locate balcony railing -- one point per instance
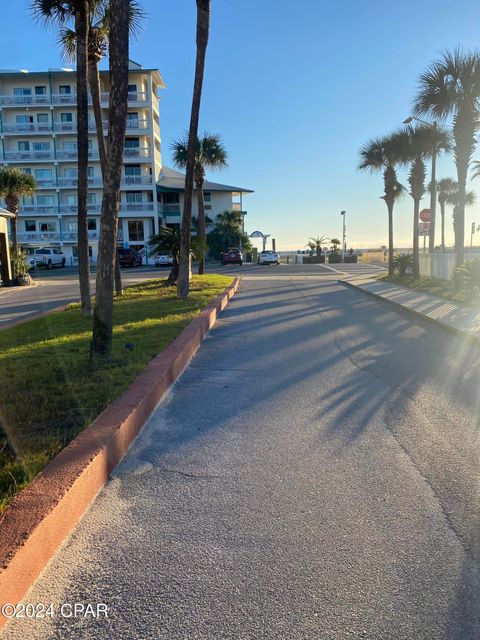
(137, 152)
(45, 184)
(72, 182)
(171, 208)
(28, 155)
(64, 98)
(6, 101)
(73, 208)
(26, 127)
(136, 206)
(38, 236)
(34, 208)
(72, 236)
(129, 180)
(71, 154)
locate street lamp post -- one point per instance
(344, 244)
(433, 182)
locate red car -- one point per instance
(129, 258)
(232, 256)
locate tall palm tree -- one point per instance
(450, 87)
(203, 25)
(98, 35)
(384, 154)
(419, 143)
(453, 199)
(57, 13)
(101, 345)
(14, 184)
(445, 187)
(210, 154)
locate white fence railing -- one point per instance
(441, 265)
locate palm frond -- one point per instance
(67, 41)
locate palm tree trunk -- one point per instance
(416, 256)
(390, 238)
(81, 30)
(442, 214)
(94, 82)
(203, 22)
(201, 227)
(460, 222)
(101, 345)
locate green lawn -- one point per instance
(48, 391)
(441, 288)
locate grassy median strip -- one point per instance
(49, 392)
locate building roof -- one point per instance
(6, 214)
(171, 180)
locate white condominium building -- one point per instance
(39, 135)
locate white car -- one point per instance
(163, 261)
(47, 257)
(268, 257)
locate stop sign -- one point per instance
(425, 215)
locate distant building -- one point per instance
(38, 134)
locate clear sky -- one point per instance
(294, 88)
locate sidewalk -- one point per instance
(449, 315)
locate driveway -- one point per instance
(313, 474)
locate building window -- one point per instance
(171, 198)
(43, 174)
(132, 88)
(72, 226)
(42, 118)
(28, 201)
(90, 172)
(66, 117)
(207, 196)
(30, 225)
(45, 201)
(65, 89)
(72, 200)
(69, 145)
(91, 224)
(48, 227)
(133, 170)
(41, 146)
(135, 231)
(22, 91)
(40, 91)
(23, 119)
(134, 197)
(132, 143)
(91, 198)
(23, 145)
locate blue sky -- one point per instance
(294, 89)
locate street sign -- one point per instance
(425, 215)
(423, 228)
(256, 234)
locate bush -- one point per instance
(470, 277)
(402, 262)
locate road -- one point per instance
(60, 286)
(314, 474)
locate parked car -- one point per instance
(232, 256)
(129, 258)
(268, 257)
(47, 257)
(163, 260)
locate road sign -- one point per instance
(256, 234)
(423, 228)
(425, 215)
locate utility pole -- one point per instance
(344, 243)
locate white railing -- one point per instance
(28, 155)
(38, 236)
(64, 98)
(137, 152)
(73, 182)
(35, 208)
(14, 100)
(73, 208)
(71, 154)
(72, 236)
(27, 127)
(45, 184)
(441, 265)
(129, 180)
(136, 206)
(171, 208)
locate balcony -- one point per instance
(38, 236)
(45, 184)
(135, 180)
(64, 98)
(73, 182)
(172, 209)
(71, 154)
(34, 208)
(136, 206)
(137, 152)
(72, 236)
(24, 156)
(12, 101)
(26, 127)
(73, 208)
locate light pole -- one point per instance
(433, 181)
(344, 246)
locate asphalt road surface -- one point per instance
(314, 474)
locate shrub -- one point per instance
(402, 262)
(470, 277)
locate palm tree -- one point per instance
(419, 143)
(453, 199)
(98, 35)
(58, 12)
(101, 345)
(203, 25)
(210, 154)
(167, 241)
(14, 184)
(447, 190)
(384, 154)
(451, 87)
(315, 244)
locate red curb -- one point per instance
(41, 516)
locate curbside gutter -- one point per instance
(43, 514)
(474, 339)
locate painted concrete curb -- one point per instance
(41, 516)
(417, 314)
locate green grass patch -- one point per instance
(49, 392)
(442, 288)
